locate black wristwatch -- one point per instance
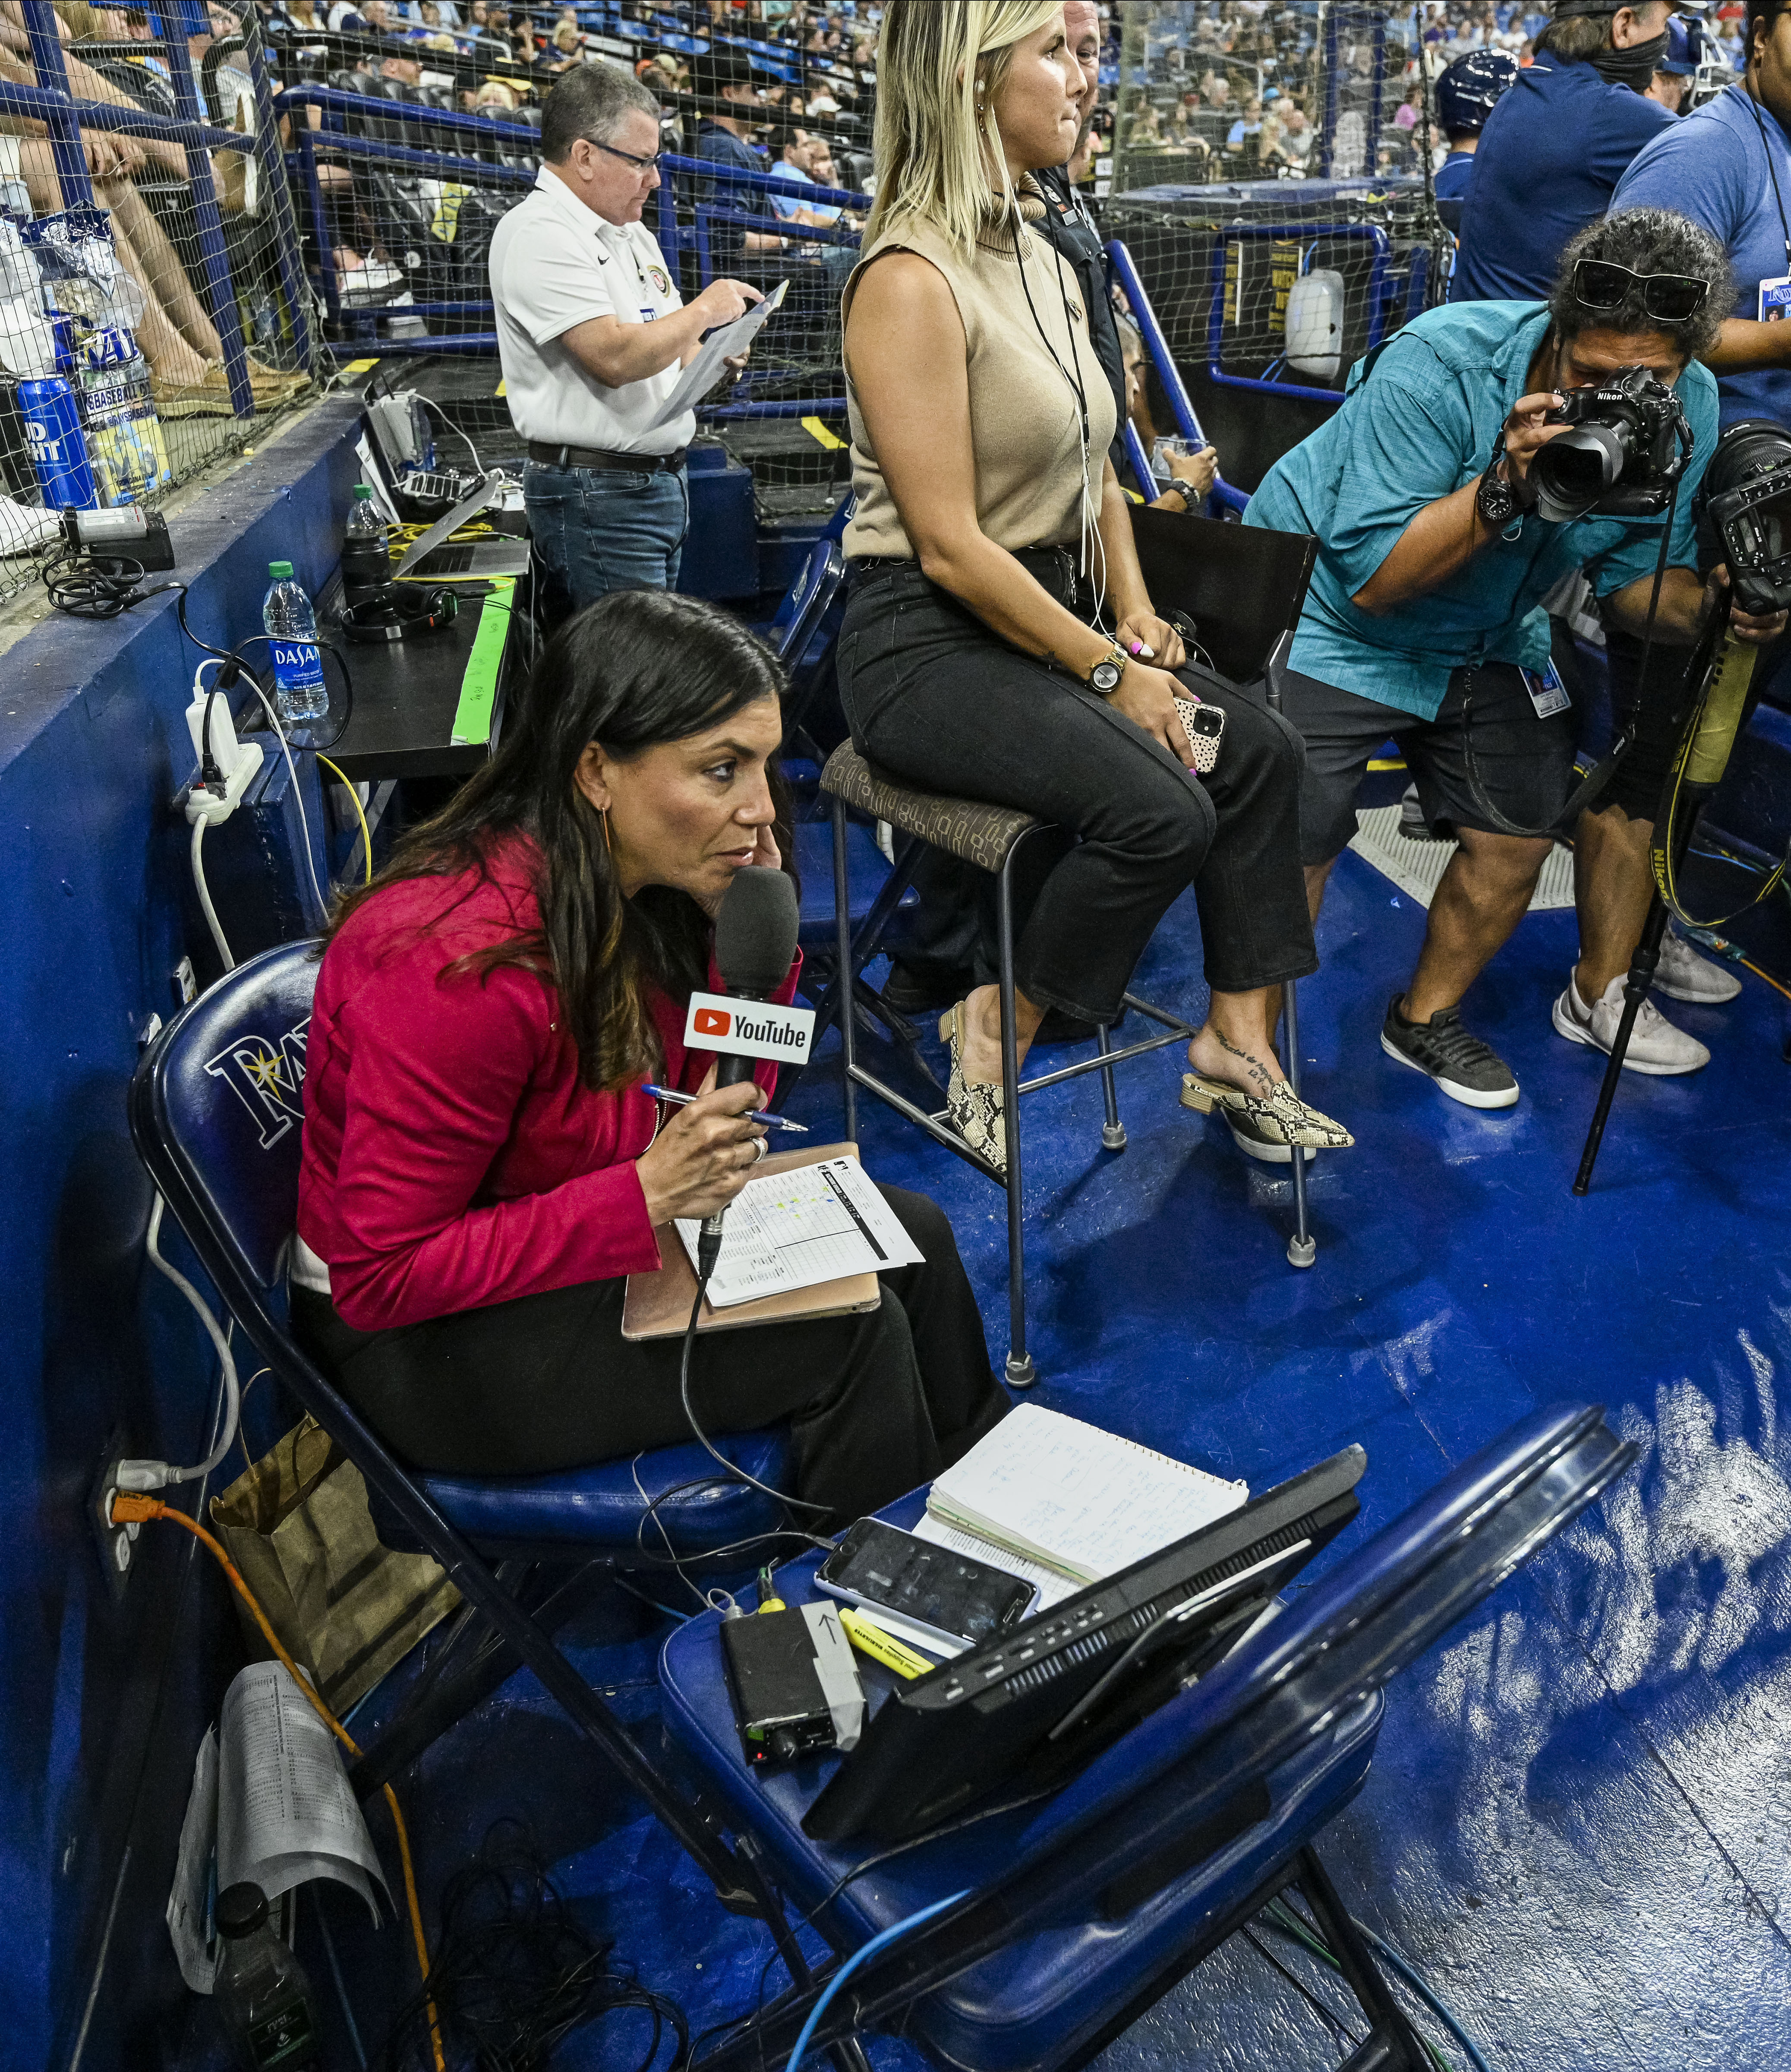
(1104, 677)
(1496, 499)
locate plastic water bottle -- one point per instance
(124, 433)
(299, 695)
(261, 1992)
(366, 560)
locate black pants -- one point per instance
(877, 1403)
(935, 697)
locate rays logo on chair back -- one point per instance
(268, 1079)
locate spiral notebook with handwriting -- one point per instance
(1067, 1503)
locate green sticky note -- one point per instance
(479, 686)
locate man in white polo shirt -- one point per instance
(593, 337)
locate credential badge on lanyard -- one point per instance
(1547, 693)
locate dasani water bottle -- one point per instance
(290, 624)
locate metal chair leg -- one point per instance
(1302, 1250)
(1021, 1373)
(842, 924)
(1113, 1131)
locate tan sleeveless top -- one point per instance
(1026, 422)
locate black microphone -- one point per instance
(755, 939)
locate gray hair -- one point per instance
(1647, 240)
(590, 101)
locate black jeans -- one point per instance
(935, 697)
(877, 1403)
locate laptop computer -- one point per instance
(427, 560)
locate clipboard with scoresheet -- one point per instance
(657, 1305)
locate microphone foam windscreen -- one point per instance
(755, 931)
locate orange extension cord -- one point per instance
(128, 1509)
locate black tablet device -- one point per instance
(1031, 1706)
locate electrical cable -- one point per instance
(129, 1509)
(1421, 1987)
(298, 795)
(354, 798)
(137, 1476)
(728, 1468)
(1326, 2015)
(242, 1436)
(515, 1971)
(1279, 1914)
(204, 891)
(863, 1956)
(429, 403)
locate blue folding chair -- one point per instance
(1058, 1922)
(216, 1108)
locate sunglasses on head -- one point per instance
(1601, 284)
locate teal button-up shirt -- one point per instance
(1427, 422)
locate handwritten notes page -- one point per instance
(800, 1228)
(1071, 1498)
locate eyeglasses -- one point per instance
(627, 158)
(1600, 283)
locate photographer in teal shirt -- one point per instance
(1425, 612)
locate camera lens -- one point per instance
(1744, 450)
(1579, 467)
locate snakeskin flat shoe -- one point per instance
(977, 1111)
(1266, 1128)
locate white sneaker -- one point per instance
(1656, 1046)
(1682, 974)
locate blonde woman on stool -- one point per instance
(999, 642)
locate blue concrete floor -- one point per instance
(1577, 1823)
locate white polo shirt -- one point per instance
(555, 264)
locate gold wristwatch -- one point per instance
(1103, 679)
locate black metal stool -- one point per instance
(990, 837)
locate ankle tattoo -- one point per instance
(1252, 1069)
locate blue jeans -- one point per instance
(598, 529)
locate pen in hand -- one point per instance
(758, 1115)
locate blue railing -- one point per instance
(65, 116)
(420, 162)
(1306, 234)
(1181, 403)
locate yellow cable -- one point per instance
(366, 832)
(129, 1509)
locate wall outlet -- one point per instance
(117, 1544)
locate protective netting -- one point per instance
(1269, 174)
(147, 328)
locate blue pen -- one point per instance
(758, 1115)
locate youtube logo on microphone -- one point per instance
(748, 1028)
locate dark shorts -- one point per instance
(1525, 764)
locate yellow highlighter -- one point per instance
(870, 1638)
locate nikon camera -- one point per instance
(1629, 446)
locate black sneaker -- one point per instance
(1466, 1069)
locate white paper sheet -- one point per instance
(285, 1813)
(189, 1903)
(798, 1229)
(722, 343)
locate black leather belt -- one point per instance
(589, 457)
(1056, 562)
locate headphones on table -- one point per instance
(395, 615)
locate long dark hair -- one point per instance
(637, 668)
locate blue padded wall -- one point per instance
(99, 1741)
